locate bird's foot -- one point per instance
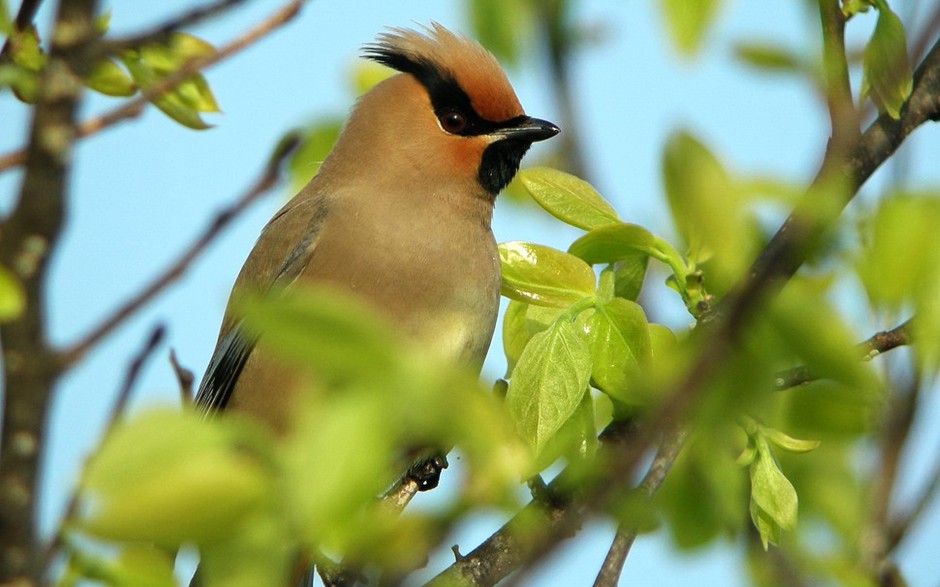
(427, 471)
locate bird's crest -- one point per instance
(439, 58)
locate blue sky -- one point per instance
(143, 191)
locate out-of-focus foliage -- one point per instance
(250, 501)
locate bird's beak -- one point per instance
(529, 130)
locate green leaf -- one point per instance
(629, 274)
(12, 296)
(154, 62)
(6, 25)
(108, 78)
(707, 208)
(688, 22)
(886, 67)
(788, 443)
(548, 383)
(318, 140)
(614, 242)
(620, 346)
(768, 57)
(544, 276)
(568, 198)
(811, 329)
(515, 333)
(496, 25)
(171, 477)
(337, 335)
(771, 491)
(904, 250)
(368, 74)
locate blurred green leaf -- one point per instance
(108, 78)
(12, 296)
(27, 60)
(143, 566)
(707, 208)
(768, 57)
(544, 276)
(318, 140)
(334, 334)
(368, 74)
(812, 330)
(548, 383)
(852, 7)
(613, 242)
(886, 68)
(688, 22)
(6, 23)
(903, 255)
(900, 267)
(567, 198)
(170, 477)
(496, 25)
(620, 346)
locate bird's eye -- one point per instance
(453, 121)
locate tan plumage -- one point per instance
(398, 214)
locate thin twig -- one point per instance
(899, 528)
(880, 342)
(134, 107)
(612, 568)
(184, 377)
(267, 180)
(118, 410)
(159, 32)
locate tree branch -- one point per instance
(29, 236)
(267, 180)
(880, 342)
(609, 574)
(134, 107)
(160, 31)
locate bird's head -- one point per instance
(451, 115)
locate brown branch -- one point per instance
(612, 568)
(117, 412)
(184, 377)
(29, 236)
(880, 342)
(267, 180)
(895, 429)
(160, 31)
(899, 528)
(133, 108)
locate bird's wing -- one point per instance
(224, 368)
(281, 253)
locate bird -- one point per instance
(398, 214)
